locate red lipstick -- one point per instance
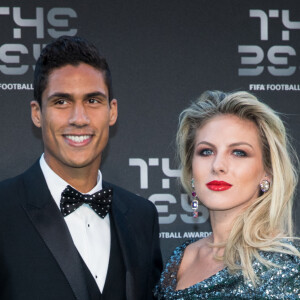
(218, 186)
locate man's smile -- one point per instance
(78, 140)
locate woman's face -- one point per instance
(227, 163)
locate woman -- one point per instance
(236, 161)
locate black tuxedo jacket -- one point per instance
(38, 259)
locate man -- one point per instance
(57, 242)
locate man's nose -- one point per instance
(79, 116)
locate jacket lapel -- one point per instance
(49, 222)
(127, 239)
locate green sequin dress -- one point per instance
(275, 283)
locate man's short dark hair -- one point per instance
(68, 50)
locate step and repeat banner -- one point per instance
(163, 55)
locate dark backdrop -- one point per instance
(162, 54)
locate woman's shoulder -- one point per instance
(183, 249)
(282, 278)
(177, 255)
(286, 254)
(168, 279)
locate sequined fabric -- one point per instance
(275, 283)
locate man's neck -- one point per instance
(82, 179)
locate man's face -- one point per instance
(75, 117)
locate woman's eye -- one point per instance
(206, 152)
(239, 153)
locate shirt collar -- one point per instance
(56, 184)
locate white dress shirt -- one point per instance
(90, 233)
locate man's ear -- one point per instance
(36, 114)
(113, 112)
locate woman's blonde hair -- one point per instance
(268, 220)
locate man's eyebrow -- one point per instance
(70, 96)
(59, 95)
(96, 94)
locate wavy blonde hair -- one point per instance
(267, 221)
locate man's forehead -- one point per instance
(82, 79)
(82, 67)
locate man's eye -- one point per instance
(239, 153)
(206, 152)
(61, 102)
(93, 100)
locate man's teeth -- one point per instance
(78, 138)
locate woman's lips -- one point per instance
(218, 186)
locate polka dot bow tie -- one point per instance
(100, 202)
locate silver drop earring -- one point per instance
(195, 201)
